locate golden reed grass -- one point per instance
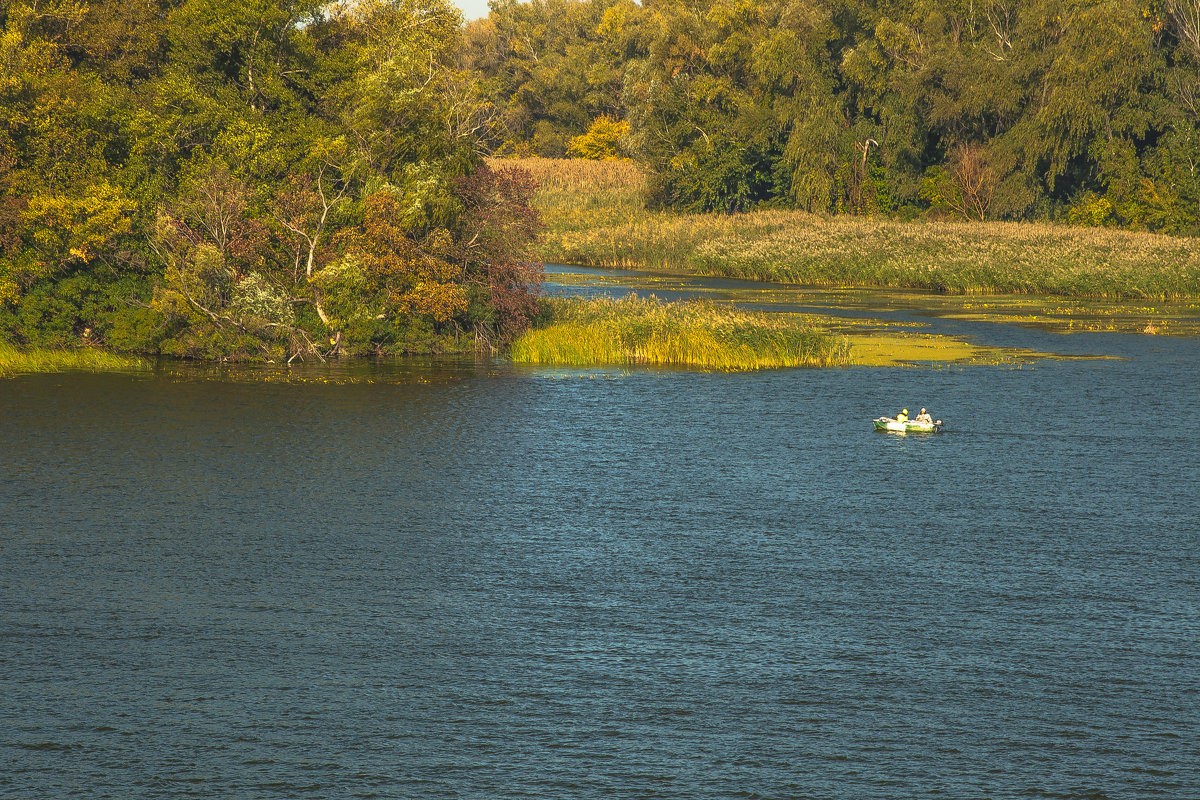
(649, 331)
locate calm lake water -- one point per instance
(473, 580)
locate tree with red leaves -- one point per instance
(496, 228)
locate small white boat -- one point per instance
(910, 426)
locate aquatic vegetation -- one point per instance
(606, 224)
(14, 361)
(876, 340)
(649, 331)
(885, 349)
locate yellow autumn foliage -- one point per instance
(78, 227)
(9, 292)
(602, 140)
(441, 301)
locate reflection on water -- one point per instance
(468, 579)
(408, 369)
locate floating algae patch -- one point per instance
(891, 349)
(1055, 315)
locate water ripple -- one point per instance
(511, 583)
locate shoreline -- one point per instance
(870, 340)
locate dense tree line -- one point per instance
(1085, 110)
(251, 178)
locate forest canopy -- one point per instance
(296, 178)
(250, 179)
(1085, 111)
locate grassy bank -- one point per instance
(595, 217)
(15, 361)
(597, 332)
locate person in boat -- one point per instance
(924, 417)
(902, 416)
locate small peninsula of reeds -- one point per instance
(14, 361)
(649, 331)
(595, 217)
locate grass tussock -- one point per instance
(15, 361)
(648, 331)
(595, 215)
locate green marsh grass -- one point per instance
(595, 216)
(14, 361)
(649, 331)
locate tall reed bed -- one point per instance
(649, 331)
(596, 217)
(961, 258)
(15, 361)
(656, 240)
